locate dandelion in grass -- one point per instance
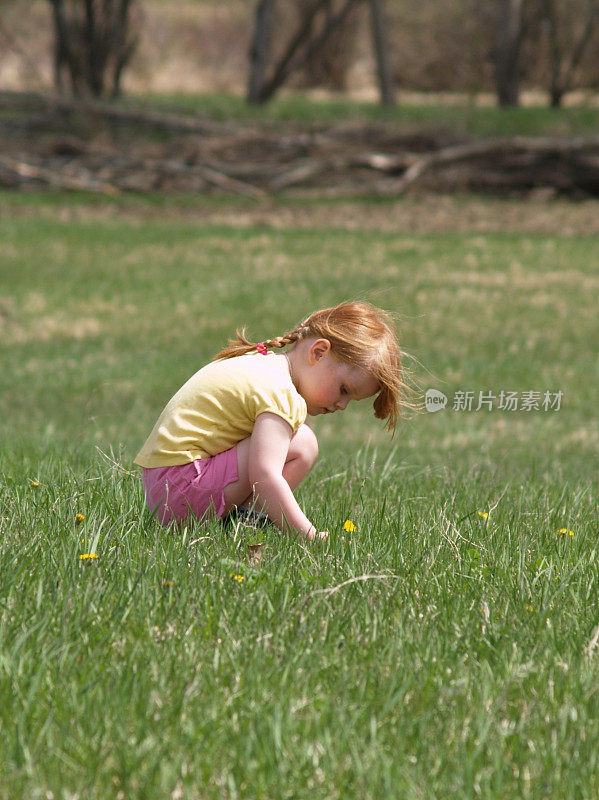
(529, 608)
(349, 526)
(238, 578)
(483, 515)
(79, 518)
(565, 532)
(85, 556)
(35, 483)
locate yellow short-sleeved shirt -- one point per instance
(218, 407)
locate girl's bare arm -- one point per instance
(269, 445)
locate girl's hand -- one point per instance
(321, 536)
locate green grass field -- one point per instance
(433, 652)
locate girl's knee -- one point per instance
(307, 444)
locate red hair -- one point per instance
(361, 335)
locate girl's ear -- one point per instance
(318, 349)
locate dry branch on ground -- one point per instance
(110, 149)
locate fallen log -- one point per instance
(529, 148)
(270, 159)
(59, 180)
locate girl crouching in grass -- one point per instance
(234, 436)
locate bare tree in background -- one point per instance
(307, 40)
(543, 40)
(563, 65)
(510, 28)
(260, 49)
(509, 34)
(93, 42)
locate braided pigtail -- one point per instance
(360, 335)
(242, 345)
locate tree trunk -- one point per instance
(63, 56)
(123, 48)
(285, 65)
(563, 69)
(509, 35)
(302, 47)
(381, 49)
(260, 49)
(95, 61)
(93, 42)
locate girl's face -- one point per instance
(327, 385)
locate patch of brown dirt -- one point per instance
(415, 214)
(425, 214)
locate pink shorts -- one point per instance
(197, 488)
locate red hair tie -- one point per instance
(261, 348)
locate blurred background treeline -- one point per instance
(508, 52)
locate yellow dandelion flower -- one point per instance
(565, 532)
(349, 526)
(79, 519)
(35, 483)
(238, 578)
(84, 556)
(529, 608)
(483, 514)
